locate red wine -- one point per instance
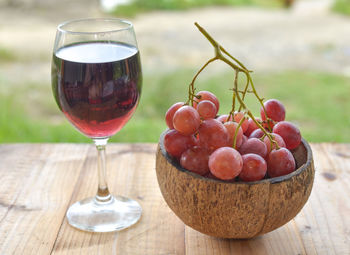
(97, 85)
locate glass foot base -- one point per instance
(116, 214)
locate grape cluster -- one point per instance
(231, 147)
(236, 146)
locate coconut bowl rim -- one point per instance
(273, 180)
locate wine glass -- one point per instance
(96, 81)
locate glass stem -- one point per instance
(103, 194)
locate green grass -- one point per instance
(138, 6)
(342, 6)
(317, 102)
(6, 55)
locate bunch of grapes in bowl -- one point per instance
(233, 146)
(233, 175)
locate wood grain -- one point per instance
(39, 182)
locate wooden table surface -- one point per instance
(39, 181)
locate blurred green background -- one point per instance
(138, 6)
(305, 67)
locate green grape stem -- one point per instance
(191, 88)
(249, 79)
(233, 107)
(244, 92)
(238, 68)
(236, 132)
(246, 73)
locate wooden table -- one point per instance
(39, 181)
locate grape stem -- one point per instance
(237, 68)
(249, 113)
(236, 132)
(249, 79)
(191, 88)
(231, 114)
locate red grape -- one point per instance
(176, 143)
(237, 117)
(254, 145)
(225, 163)
(254, 168)
(211, 176)
(251, 126)
(278, 139)
(274, 110)
(257, 133)
(170, 114)
(223, 118)
(280, 162)
(206, 95)
(212, 134)
(289, 132)
(268, 124)
(195, 159)
(186, 120)
(231, 129)
(244, 139)
(207, 109)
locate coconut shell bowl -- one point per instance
(235, 209)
